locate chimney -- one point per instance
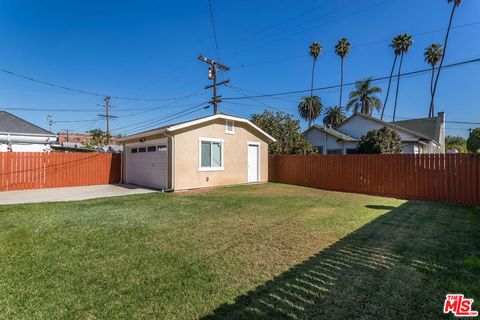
(441, 115)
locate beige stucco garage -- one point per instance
(217, 150)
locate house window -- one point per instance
(142, 149)
(152, 149)
(162, 148)
(229, 127)
(133, 150)
(211, 154)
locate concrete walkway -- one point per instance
(70, 193)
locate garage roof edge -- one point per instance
(175, 127)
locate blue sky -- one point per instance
(149, 49)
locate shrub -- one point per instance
(380, 141)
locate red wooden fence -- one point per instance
(431, 177)
(36, 170)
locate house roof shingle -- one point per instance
(337, 134)
(10, 123)
(429, 127)
(391, 125)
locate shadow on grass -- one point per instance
(400, 265)
(379, 207)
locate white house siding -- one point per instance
(317, 139)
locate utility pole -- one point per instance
(50, 121)
(67, 131)
(107, 116)
(212, 75)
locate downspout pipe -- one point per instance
(172, 138)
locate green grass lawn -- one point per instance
(265, 251)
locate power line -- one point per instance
(214, 29)
(360, 45)
(92, 93)
(149, 121)
(74, 121)
(453, 65)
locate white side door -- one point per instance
(252, 161)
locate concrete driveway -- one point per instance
(71, 193)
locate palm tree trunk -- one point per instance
(311, 94)
(389, 84)
(398, 87)
(443, 55)
(341, 83)
(431, 110)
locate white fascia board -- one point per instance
(30, 134)
(141, 135)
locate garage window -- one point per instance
(142, 149)
(133, 150)
(152, 149)
(162, 148)
(211, 154)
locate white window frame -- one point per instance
(226, 127)
(222, 146)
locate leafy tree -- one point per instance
(433, 54)
(451, 141)
(99, 138)
(334, 116)
(380, 141)
(286, 130)
(405, 42)
(456, 3)
(310, 109)
(395, 44)
(363, 98)
(473, 141)
(342, 49)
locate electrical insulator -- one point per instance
(210, 73)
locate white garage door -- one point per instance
(147, 164)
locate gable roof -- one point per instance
(185, 124)
(329, 130)
(390, 125)
(429, 127)
(10, 123)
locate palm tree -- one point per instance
(406, 42)
(395, 44)
(315, 50)
(342, 49)
(334, 116)
(310, 108)
(363, 98)
(433, 54)
(456, 3)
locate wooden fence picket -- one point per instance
(446, 178)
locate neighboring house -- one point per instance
(212, 151)
(418, 135)
(67, 138)
(330, 141)
(18, 135)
